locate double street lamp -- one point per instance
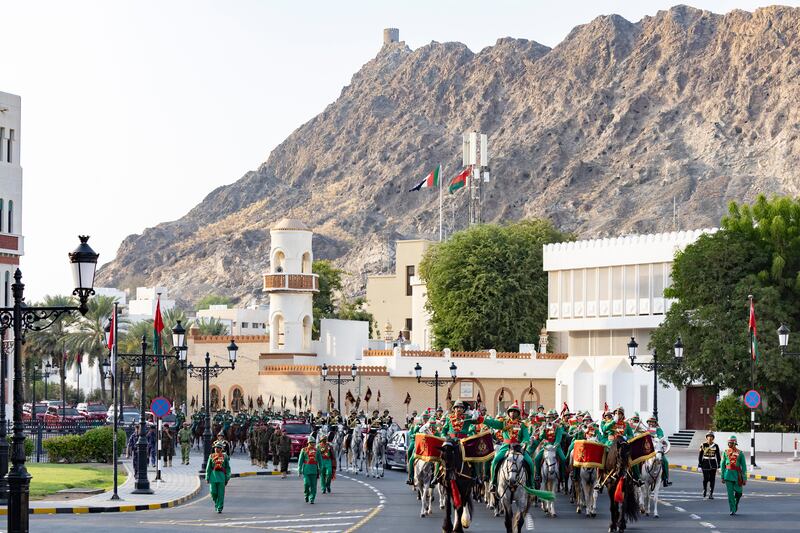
(205, 373)
(36, 375)
(22, 318)
(654, 365)
(339, 380)
(435, 381)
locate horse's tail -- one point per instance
(544, 495)
(630, 505)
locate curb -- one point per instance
(259, 473)
(115, 509)
(757, 477)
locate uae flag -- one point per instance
(459, 181)
(430, 181)
(752, 328)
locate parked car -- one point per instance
(396, 451)
(93, 411)
(129, 418)
(125, 409)
(298, 433)
(59, 415)
(170, 419)
(41, 409)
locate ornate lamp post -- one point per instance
(205, 373)
(435, 381)
(36, 375)
(654, 364)
(339, 380)
(22, 318)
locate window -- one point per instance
(245, 325)
(577, 292)
(591, 285)
(10, 216)
(602, 396)
(643, 394)
(10, 146)
(603, 304)
(214, 399)
(307, 333)
(237, 399)
(616, 290)
(566, 293)
(278, 261)
(552, 293)
(644, 289)
(409, 275)
(408, 324)
(630, 290)
(658, 280)
(2, 137)
(6, 287)
(306, 266)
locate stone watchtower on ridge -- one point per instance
(391, 35)
(290, 285)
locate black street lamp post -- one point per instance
(435, 381)
(22, 318)
(654, 365)
(205, 373)
(36, 375)
(339, 380)
(142, 485)
(4, 343)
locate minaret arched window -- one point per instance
(7, 287)
(10, 216)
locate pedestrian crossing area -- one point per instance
(683, 496)
(324, 522)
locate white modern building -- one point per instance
(253, 320)
(143, 307)
(602, 292)
(11, 239)
(119, 295)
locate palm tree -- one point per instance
(87, 337)
(51, 342)
(211, 326)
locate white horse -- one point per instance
(337, 442)
(651, 477)
(355, 450)
(511, 481)
(375, 453)
(587, 495)
(551, 476)
(423, 478)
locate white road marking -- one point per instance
(663, 502)
(680, 509)
(708, 525)
(529, 522)
(694, 516)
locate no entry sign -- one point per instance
(160, 406)
(752, 399)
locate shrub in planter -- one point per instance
(730, 414)
(93, 446)
(99, 444)
(68, 449)
(28, 447)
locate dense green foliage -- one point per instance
(94, 446)
(486, 286)
(212, 299)
(211, 326)
(756, 251)
(730, 414)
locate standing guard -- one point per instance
(185, 440)
(708, 461)
(327, 464)
(218, 473)
(308, 468)
(734, 474)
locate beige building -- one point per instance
(390, 296)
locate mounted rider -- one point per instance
(418, 424)
(456, 424)
(617, 427)
(551, 433)
(658, 433)
(352, 420)
(514, 432)
(386, 418)
(334, 418)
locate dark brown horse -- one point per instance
(457, 478)
(621, 485)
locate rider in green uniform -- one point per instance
(456, 425)
(657, 432)
(551, 433)
(421, 421)
(514, 432)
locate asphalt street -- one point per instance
(388, 505)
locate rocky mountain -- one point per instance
(601, 134)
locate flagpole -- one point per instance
(441, 173)
(752, 387)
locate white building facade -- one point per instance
(143, 307)
(602, 292)
(240, 321)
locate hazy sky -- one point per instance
(134, 111)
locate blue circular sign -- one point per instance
(752, 399)
(160, 406)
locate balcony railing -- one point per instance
(291, 282)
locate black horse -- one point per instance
(621, 485)
(457, 478)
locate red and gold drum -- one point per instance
(478, 448)
(641, 448)
(428, 447)
(589, 454)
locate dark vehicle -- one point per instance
(129, 418)
(298, 433)
(170, 419)
(396, 451)
(93, 411)
(58, 416)
(41, 409)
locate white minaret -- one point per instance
(291, 286)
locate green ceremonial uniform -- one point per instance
(218, 472)
(326, 465)
(185, 440)
(308, 468)
(658, 433)
(551, 436)
(458, 427)
(514, 432)
(734, 475)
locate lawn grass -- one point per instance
(50, 478)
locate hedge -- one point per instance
(28, 447)
(94, 446)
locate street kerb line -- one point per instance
(375, 511)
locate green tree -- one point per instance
(87, 336)
(211, 326)
(51, 342)
(212, 299)
(486, 286)
(756, 251)
(324, 301)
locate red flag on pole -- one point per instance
(408, 399)
(158, 327)
(753, 335)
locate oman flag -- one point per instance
(460, 180)
(158, 327)
(752, 327)
(430, 181)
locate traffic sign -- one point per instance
(752, 399)
(160, 406)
